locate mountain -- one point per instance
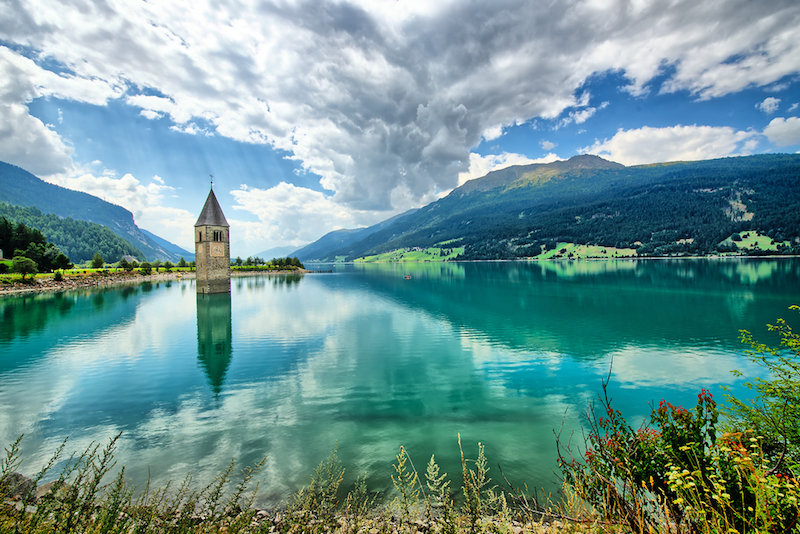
(165, 247)
(325, 248)
(658, 209)
(18, 187)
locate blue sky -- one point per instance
(318, 115)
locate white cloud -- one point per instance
(25, 141)
(793, 107)
(150, 114)
(191, 129)
(783, 132)
(580, 116)
(291, 215)
(548, 145)
(493, 133)
(769, 105)
(481, 165)
(676, 143)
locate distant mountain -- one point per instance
(658, 209)
(18, 187)
(331, 244)
(165, 247)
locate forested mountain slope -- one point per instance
(18, 187)
(339, 239)
(79, 240)
(669, 208)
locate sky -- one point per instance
(313, 115)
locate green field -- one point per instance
(753, 240)
(414, 255)
(573, 251)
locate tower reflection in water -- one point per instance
(214, 345)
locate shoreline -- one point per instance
(96, 280)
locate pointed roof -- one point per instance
(212, 214)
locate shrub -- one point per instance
(682, 470)
(775, 410)
(58, 276)
(145, 268)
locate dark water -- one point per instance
(291, 367)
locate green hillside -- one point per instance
(79, 240)
(18, 187)
(661, 209)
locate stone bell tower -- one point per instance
(212, 249)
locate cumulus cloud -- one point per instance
(769, 105)
(385, 100)
(291, 215)
(676, 143)
(28, 143)
(548, 145)
(783, 132)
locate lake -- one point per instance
(363, 360)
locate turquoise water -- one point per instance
(366, 361)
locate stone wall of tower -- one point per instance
(213, 259)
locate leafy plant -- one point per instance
(775, 411)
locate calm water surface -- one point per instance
(291, 367)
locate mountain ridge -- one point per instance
(19, 187)
(667, 208)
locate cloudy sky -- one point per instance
(314, 115)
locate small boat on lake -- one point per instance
(408, 277)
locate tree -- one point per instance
(97, 261)
(168, 265)
(145, 268)
(125, 264)
(23, 266)
(182, 263)
(156, 265)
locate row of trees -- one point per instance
(277, 262)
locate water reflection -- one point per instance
(214, 345)
(497, 352)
